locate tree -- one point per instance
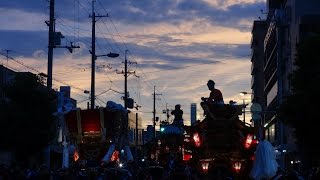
(26, 115)
(300, 108)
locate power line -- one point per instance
(115, 29)
(122, 41)
(35, 70)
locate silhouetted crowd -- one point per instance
(130, 171)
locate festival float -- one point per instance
(220, 145)
(99, 134)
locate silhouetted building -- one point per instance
(132, 128)
(257, 61)
(6, 76)
(286, 24)
(64, 97)
(193, 113)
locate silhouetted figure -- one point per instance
(215, 100)
(177, 112)
(215, 94)
(232, 103)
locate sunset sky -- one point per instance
(174, 45)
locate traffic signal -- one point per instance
(162, 128)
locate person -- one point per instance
(232, 103)
(215, 94)
(177, 112)
(213, 106)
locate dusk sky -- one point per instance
(174, 45)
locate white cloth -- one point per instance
(265, 164)
(66, 108)
(129, 154)
(115, 106)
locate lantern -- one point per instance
(75, 155)
(187, 157)
(167, 149)
(205, 165)
(237, 166)
(196, 138)
(248, 141)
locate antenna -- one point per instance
(7, 54)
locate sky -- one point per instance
(174, 47)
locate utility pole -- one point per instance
(93, 55)
(167, 110)
(126, 73)
(154, 110)
(125, 79)
(244, 112)
(54, 42)
(51, 44)
(136, 140)
(7, 55)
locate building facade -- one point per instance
(257, 61)
(286, 24)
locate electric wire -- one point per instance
(117, 33)
(37, 71)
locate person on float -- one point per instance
(178, 113)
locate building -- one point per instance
(193, 113)
(149, 133)
(6, 76)
(132, 128)
(286, 24)
(257, 59)
(64, 97)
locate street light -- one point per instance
(244, 93)
(93, 67)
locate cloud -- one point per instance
(21, 20)
(174, 12)
(178, 45)
(39, 54)
(23, 42)
(225, 4)
(29, 6)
